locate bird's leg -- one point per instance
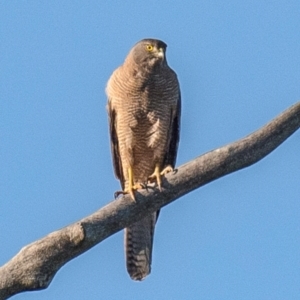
(157, 174)
(131, 186)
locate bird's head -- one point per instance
(149, 52)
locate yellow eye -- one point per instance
(149, 47)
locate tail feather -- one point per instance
(138, 247)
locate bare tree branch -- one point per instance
(36, 264)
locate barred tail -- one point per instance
(138, 247)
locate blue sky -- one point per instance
(238, 67)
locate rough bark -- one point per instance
(36, 264)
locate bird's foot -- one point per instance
(157, 174)
(130, 190)
(167, 170)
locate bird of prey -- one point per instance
(144, 118)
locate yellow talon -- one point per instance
(130, 188)
(131, 185)
(157, 174)
(167, 170)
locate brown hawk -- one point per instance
(144, 115)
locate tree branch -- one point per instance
(36, 264)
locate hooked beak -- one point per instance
(160, 53)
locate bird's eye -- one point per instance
(149, 47)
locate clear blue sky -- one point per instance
(238, 63)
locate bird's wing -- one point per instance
(171, 152)
(114, 143)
